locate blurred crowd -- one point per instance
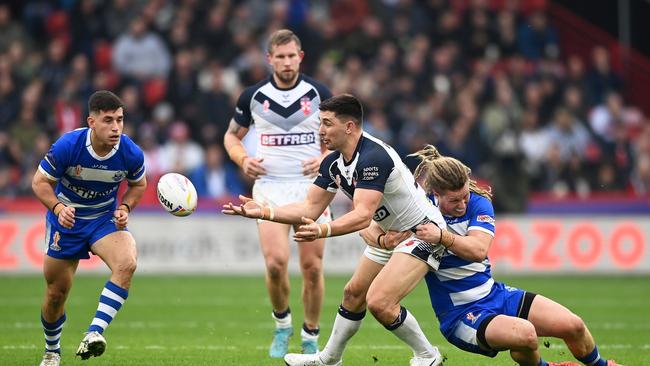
(486, 84)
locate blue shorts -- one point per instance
(75, 243)
(465, 326)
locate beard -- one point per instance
(286, 76)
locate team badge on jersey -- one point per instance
(119, 175)
(305, 105)
(473, 318)
(55, 242)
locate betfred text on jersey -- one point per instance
(288, 139)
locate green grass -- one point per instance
(218, 320)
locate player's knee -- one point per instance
(312, 271)
(126, 267)
(528, 336)
(354, 296)
(56, 296)
(575, 327)
(276, 268)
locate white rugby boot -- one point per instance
(93, 344)
(300, 359)
(51, 359)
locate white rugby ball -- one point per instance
(177, 194)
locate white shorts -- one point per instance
(282, 193)
(422, 250)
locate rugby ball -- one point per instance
(177, 194)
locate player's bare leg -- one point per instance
(554, 320)
(398, 278)
(118, 251)
(313, 285)
(274, 241)
(58, 275)
(514, 334)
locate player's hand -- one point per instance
(308, 231)
(428, 232)
(248, 208)
(393, 238)
(121, 218)
(310, 167)
(65, 216)
(253, 167)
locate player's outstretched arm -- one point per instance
(313, 206)
(43, 188)
(365, 202)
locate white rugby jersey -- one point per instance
(458, 282)
(86, 181)
(286, 122)
(377, 166)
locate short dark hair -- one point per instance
(344, 106)
(104, 100)
(280, 37)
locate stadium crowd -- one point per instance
(485, 84)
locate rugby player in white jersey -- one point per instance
(284, 110)
(370, 173)
(476, 313)
(78, 181)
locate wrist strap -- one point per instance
(128, 208)
(54, 207)
(379, 240)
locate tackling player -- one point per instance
(476, 313)
(78, 181)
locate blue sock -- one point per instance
(110, 301)
(542, 363)
(593, 359)
(53, 334)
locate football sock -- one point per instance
(593, 359)
(53, 334)
(309, 334)
(406, 328)
(345, 326)
(110, 301)
(282, 319)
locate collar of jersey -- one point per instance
(272, 80)
(89, 147)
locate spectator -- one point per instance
(216, 178)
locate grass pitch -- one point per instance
(218, 320)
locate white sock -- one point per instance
(308, 337)
(345, 326)
(407, 329)
(282, 322)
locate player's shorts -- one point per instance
(420, 249)
(280, 193)
(75, 243)
(465, 326)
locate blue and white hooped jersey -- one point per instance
(377, 166)
(86, 181)
(458, 282)
(286, 122)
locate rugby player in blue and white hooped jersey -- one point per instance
(78, 181)
(372, 174)
(284, 111)
(476, 313)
